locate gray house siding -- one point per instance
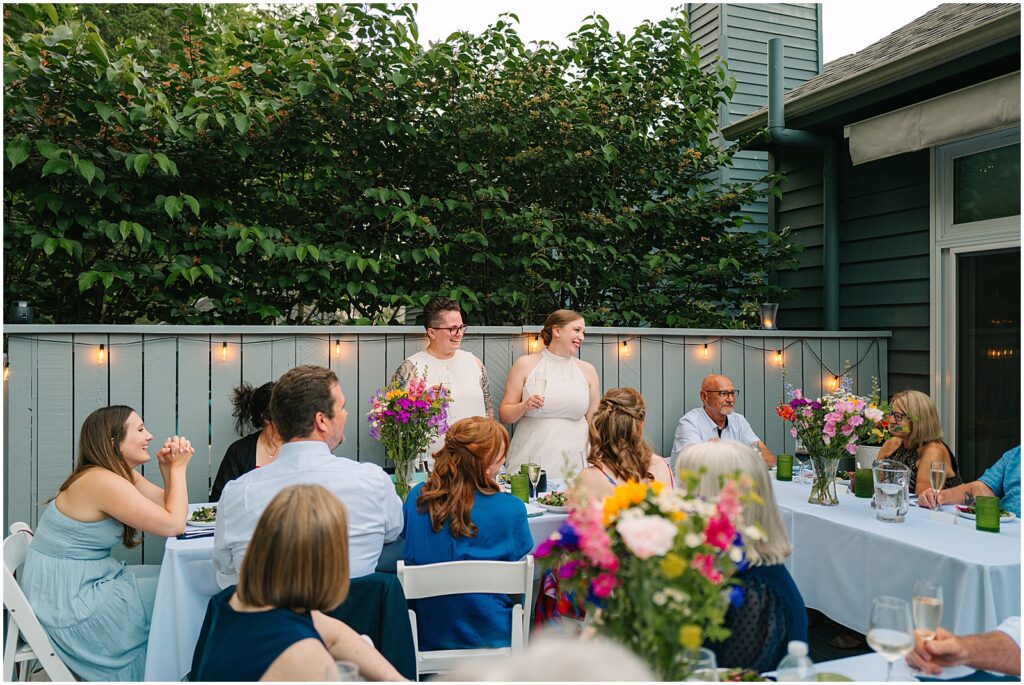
(884, 247)
(739, 34)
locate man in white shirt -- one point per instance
(716, 420)
(998, 650)
(308, 410)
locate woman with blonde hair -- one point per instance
(770, 611)
(618, 450)
(458, 514)
(550, 395)
(917, 440)
(95, 609)
(272, 626)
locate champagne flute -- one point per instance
(937, 475)
(890, 630)
(927, 604)
(533, 471)
(540, 384)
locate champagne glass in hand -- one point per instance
(927, 605)
(540, 384)
(937, 476)
(890, 632)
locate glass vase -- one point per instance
(404, 469)
(823, 488)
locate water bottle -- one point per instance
(796, 666)
(503, 480)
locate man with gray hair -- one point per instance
(717, 420)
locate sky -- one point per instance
(846, 26)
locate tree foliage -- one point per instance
(325, 167)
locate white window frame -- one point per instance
(948, 241)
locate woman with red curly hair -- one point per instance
(460, 514)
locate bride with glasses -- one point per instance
(444, 363)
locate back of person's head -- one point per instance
(471, 447)
(99, 446)
(923, 414)
(298, 396)
(617, 435)
(555, 658)
(723, 459)
(435, 309)
(557, 319)
(251, 406)
(298, 555)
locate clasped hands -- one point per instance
(177, 451)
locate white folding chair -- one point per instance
(457, 577)
(27, 640)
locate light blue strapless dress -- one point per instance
(95, 609)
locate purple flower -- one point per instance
(736, 596)
(544, 548)
(568, 569)
(569, 539)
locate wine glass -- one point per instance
(533, 471)
(937, 475)
(927, 605)
(890, 632)
(540, 385)
(802, 457)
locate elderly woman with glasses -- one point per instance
(443, 363)
(917, 440)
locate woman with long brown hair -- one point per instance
(458, 514)
(94, 608)
(618, 450)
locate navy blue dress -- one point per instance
(470, 620)
(772, 614)
(238, 646)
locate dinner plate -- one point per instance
(553, 509)
(201, 524)
(1008, 516)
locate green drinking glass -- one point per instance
(986, 513)
(784, 467)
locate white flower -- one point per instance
(736, 554)
(873, 414)
(659, 598)
(753, 533)
(693, 540)
(647, 536)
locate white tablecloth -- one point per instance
(188, 580)
(843, 557)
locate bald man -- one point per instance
(716, 420)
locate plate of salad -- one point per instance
(555, 502)
(968, 513)
(203, 517)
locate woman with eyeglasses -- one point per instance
(917, 440)
(551, 394)
(444, 363)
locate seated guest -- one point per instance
(773, 611)
(252, 408)
(95, 609)
(460, 514)
(998, 650)
(917, 440)
(1001, 480)
(271, 627)
(717, 419)
(618, 450)
(309, 414)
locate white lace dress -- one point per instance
(556, 436)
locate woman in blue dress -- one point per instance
(460, 514)
(95, 609)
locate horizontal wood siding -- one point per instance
(180, 380)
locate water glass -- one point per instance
(892, 496)
(704, 665)
(784, 467)
(986, 513)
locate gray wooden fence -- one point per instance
(180, 378)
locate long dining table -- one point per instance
(187, 582)
(843, 557)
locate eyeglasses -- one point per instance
(453, 330)
(724, 393)
(898, 416)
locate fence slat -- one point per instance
(225, 376)
(55, 436)
(194, 410)
(19, 462)
(126, 388)
(159, 407)
(653, 388)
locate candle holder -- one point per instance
(769, 314)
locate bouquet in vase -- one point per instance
(658, 564)
(406, 419)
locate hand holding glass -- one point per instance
(890, 630)
(937, 476)
(540, 385)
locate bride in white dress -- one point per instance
(551, 395)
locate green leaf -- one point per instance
(107, 278)
(87, 280)
(51, 12)
(87, 169)
(173, 205)
(257, 68)
(304, 88)
(56, 166)
(49, 246)
(140, 163)
(398, 78)
(162, 161)
(242, 122)
(17, 151)
(104, 110)
(47, 149)
(192, 203)
(201, 121)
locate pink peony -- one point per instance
(856, 420)
(851, 448)
(847, 429)
(720, 532)
(603, 585)
(647, 536)
(705, 564)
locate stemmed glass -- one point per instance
(890, 632)
(927, 604)
(540, 384)
(802, 457)
(533, 471)
(937, 475)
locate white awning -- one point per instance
(976, 109)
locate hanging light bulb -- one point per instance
(705, 353)
(102, 354)
(778, 357)
(224, 351)
(337, 348)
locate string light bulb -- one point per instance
(836, 382)
(535, 343)
(224, 350)
(103, 353)
(337, 348)
(705, 351)
(7, 370)
(778, 357)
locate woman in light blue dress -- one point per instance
(97, 610)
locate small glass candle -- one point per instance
(521, 487)
(784, 467)
(986, 513)
(863, 484)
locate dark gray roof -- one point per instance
(942, 24)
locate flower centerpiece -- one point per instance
(658, 563)
(406, 419)
(831, 427)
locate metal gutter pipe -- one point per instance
(778, 134)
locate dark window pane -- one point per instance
(987, 185)
(988, 358)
